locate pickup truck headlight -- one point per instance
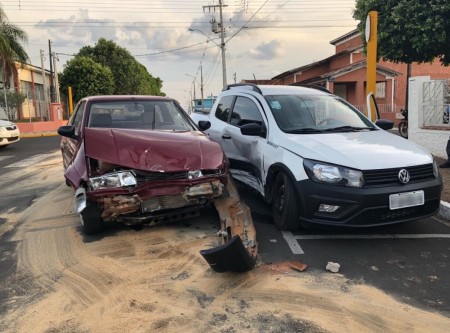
(332, 174)
(113, 180)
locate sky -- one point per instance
(263, 38)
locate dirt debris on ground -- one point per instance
(154, 280)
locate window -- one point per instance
(381, 90)
(77, 117)
(245, 111)
(223, 109)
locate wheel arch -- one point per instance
(272, 174)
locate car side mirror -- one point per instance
(253, 129)
(203, 125)
(385, 124)
(67, 131)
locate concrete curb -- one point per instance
(38, 134)
(444, 210)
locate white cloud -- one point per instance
(153, 30)
(266, 50)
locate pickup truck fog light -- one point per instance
(323, 208)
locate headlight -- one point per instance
(332, 174)
(113, 180)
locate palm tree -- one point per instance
(11, 49)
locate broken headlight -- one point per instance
(195, 174)
(113, 180)
(333, 174)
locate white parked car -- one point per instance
(198, 115)
(9, 132)
(318, 160)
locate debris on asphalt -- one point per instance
(272, 240)
(333, 267)
(239, 247)
(374, 268)
(298, 266)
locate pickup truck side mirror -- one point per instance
(385, 124)
(203, 125)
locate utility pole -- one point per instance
(222, 37)
(51, 70)
(44, 82)
(201, 87)
(55, 58)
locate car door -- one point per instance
(246, 159)
(69, 146)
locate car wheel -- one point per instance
(91, 220)
(285, 204)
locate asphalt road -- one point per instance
(408, 261)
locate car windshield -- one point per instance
(147, 115)
(316, 114)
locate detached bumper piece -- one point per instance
(239, 248)
(229, 257)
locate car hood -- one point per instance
(153, 150)
(6, 123)
(360, 150)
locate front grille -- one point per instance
(385, 215)
(144, 177)
(14, 138)
(387, 177)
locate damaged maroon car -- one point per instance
(138, 159)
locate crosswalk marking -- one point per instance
(292, 240)
(29, 161)
(4, 157)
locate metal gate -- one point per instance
(436, 103)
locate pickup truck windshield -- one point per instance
(315, 114)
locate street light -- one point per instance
(222, 47)
(201, 85)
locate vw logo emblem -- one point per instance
(403, 176)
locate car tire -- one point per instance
(91, 220)
(285, 203)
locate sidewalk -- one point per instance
(38, 134)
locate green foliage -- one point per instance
(409, 30)
(87, 78)
(130, 77)
(12, 101)
(11, 49)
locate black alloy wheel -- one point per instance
(285, 203)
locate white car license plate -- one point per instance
(407, 199)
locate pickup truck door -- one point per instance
(245, 152)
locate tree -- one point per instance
(9, 101)
(11, 50)
(87, 78)
(130, 77)
(409, 30)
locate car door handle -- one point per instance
(226, 137)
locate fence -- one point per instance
(436, 103)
